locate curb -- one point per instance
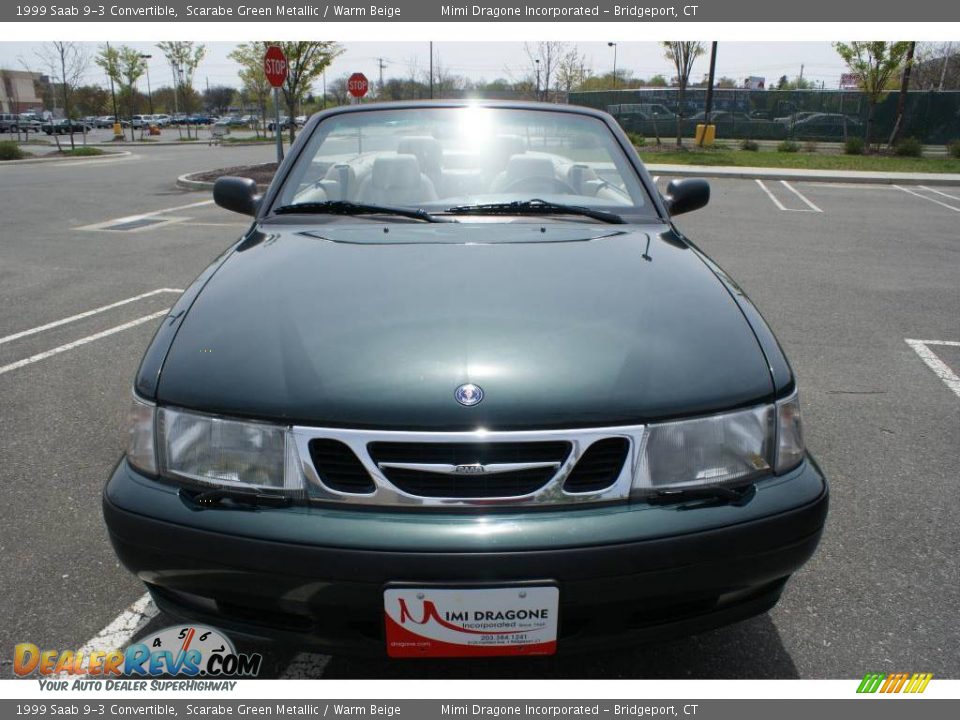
(187, 181)
(37, 161)
(830, 176)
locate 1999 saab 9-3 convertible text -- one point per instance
(463, 388)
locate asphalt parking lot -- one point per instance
(93, 251)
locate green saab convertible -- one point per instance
(464, 389)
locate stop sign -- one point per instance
(275, 66)
(357, 85)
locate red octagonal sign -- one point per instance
(275, 66)
(357, 85)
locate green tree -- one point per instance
(306, 61)
(249, 56)
(877, 64)
(682, 54)
(183, 57)
(124, 66)
(66, 62)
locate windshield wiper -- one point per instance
(536, 207)
(345, 207)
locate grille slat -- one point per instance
(474, 485)
(338, 468)
(599, 467)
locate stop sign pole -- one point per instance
(275, 68)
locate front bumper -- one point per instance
(314, 576)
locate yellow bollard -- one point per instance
(117, 130)
(705, 135)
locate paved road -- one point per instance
(844, 274)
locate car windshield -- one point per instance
(438, 158)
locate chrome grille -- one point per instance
(480, 468)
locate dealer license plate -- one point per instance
(467, 622)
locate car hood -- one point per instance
(368, 325)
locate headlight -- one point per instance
(720, 449)
(225, 453)
(140, 439)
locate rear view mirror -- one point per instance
(236, 194)
(686, 195)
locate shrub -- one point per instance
(853, 146)
(953, 149)
(810, 146)
(637, 139)
(9, 150)
(788, 146)
(82, 151)
(749, 145)
(908, 147)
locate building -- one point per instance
(18, 91)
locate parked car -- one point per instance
(107, 121)
(724, 117)
(643, 111)
(455, 382)
(199, 119)
(828, 126)
(285, 123)
(139, 121)
(64, 126)
(300, 120)
(793, 118)
(13, 123)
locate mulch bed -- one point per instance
(262, 173)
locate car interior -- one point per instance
(422, 170)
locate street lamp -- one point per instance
(149, 91)
(614, 46)
(537, 61)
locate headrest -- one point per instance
(521, 166)
(507, 145)
(426, 148)
(395, 171)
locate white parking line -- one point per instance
(141, 216)
(940, 368)
(82, 341)
(939, 192)
(796, 192)
(776, 202)
(122, 628)
(88, 313)
(933, 200)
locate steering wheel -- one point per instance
(540, 183)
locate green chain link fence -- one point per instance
(931, 117)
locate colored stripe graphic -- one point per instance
(894, 682)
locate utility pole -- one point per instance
(431, 70)
(537, 61)
(800, 79)
(381, 64)
(146, 67)
(713, 66)
(614, 46)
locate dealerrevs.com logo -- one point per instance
(188, 651)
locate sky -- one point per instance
(490, 60)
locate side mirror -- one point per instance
(236, 194)
(686, 195)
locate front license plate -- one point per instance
(469, 622)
